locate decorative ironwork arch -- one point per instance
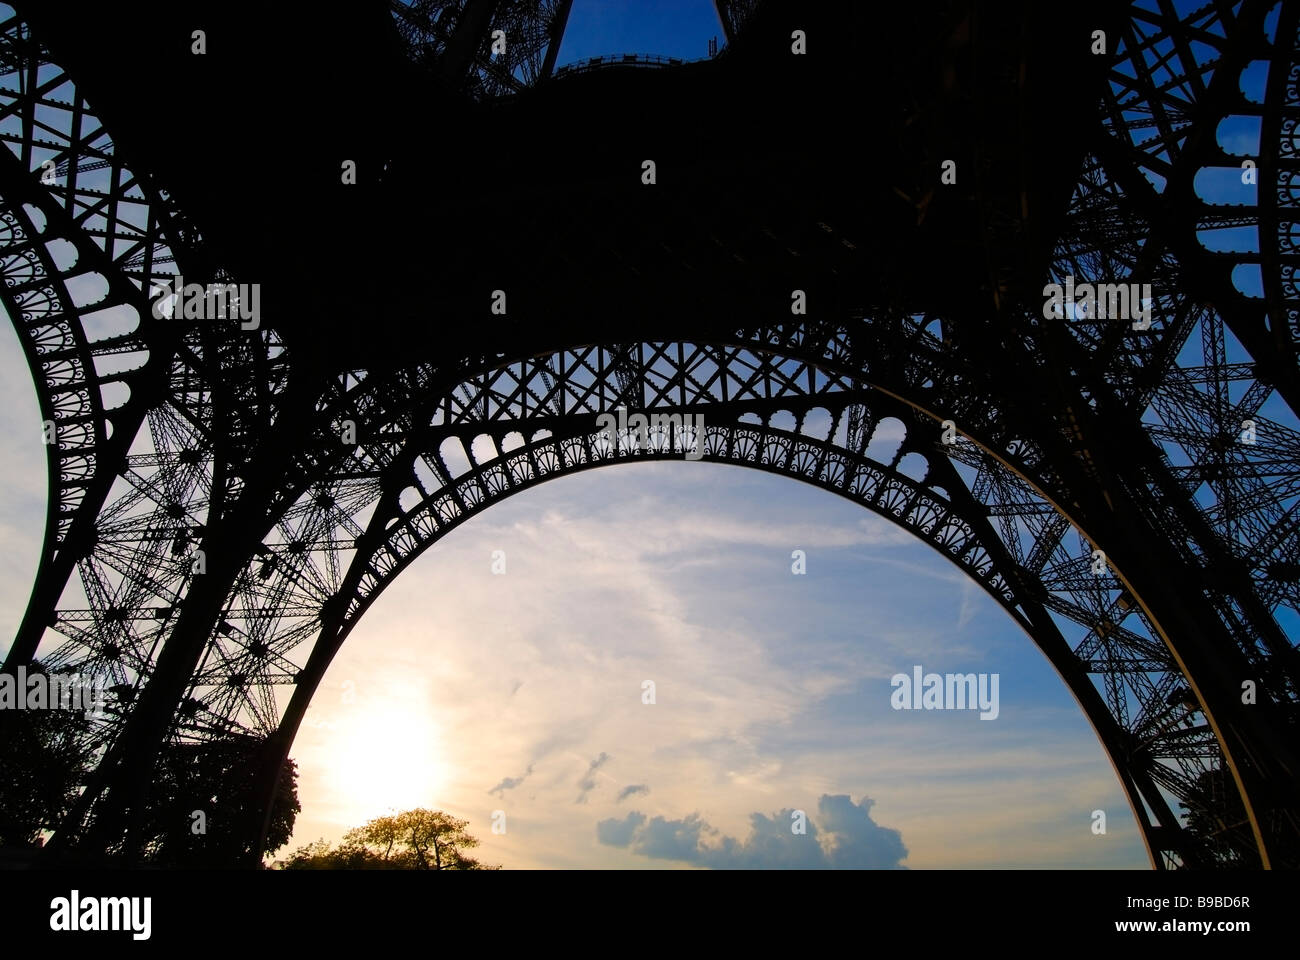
(1044, 581)
(1132, 441)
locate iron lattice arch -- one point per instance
(213, 575)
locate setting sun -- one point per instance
(385, 758)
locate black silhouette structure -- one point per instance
(855, 211)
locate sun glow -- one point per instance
(385, 759)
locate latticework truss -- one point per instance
(213, 574)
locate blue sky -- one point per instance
(475, 692)
(772, 689)
(676, 28)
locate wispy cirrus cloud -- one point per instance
(509, 783)
(588, 781)
(632, 790)
(771, 686)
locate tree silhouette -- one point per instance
(216, 779)
(417, 839)
(43, 760)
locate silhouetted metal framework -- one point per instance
(455, 37)
(733, 14)
(175, 438)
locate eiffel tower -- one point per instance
(466, 256)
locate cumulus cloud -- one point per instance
(619, 833)
(854, 839)
(632, 790)
(588, 781)
(847, 839)
(663, 839)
